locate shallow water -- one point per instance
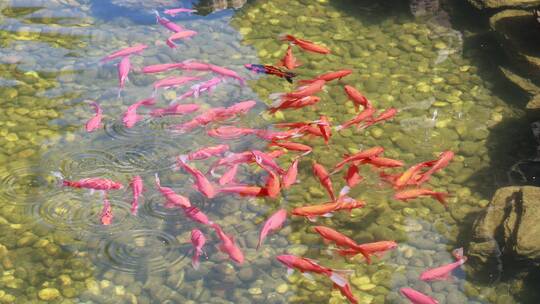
(54, 247)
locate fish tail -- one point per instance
(195, 260)
(157, 180)
(338, 279)
(170, 43)
(441, 197)
(286, 37)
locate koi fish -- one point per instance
(271, 70)
(197, 215)
(273, 135)
(197, 240)
(308, 265)
(384, 116)
(197, 89)
(289, 61)
(306, 44)
(357, 98)
(192, 65)
(272, 187)
(409, 176)
(229, 132)
(137, 189)
(136, 49)
(130, 117)
(216, 114)
(406, 195)
(289, 178)
(159, 68)
(324, 178)
(242, 190)
(294, 103)
(443, 272)
(123, 70)
(174, 11)
(241, 107)
(329, 76)
(303, 91)
(228, 245)
(226, 73)
(172, 199)
(106, 216)
(179, 35)
(292, 146)
(326, 209)
(352, 177)
(417, 297)
(273, 223)
(263, 159)
(365, 115)
(202, 184)
(94, 123)
(382, 162)
(95, 183)
(229, 175)
(441, 163)
(173, 81)
(347, 293)
(324, 126)
(207, 152)
(331, 235)
(176, 109)
(369, 249)
(369, 153)
(168, 24)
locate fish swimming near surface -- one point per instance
(168, 24)
(271, 70)
(93, 183)
(130, 116)
(173, 200)
(289, 61)
(305, 265)
(273, 223)
(106, 216)
(306, 44)
(136, 49)
(228, 245)
(137, 189)
(197, 240)
(123, 70)
(94, 123)
(443, 272)
(417, 297)
(329, 76)
(175, 11)
(179, 35)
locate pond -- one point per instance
(63, 244)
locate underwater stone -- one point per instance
(48, 294)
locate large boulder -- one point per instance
(504, 3)
(508, 231)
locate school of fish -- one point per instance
(408, 184)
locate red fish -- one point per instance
(179, 35)
(289, 61)
(306, 44)
(130, 116)
(329, 76)
(369, 153)
(406, 195)
(229, 132)
(136, 49)
(294, 103)
(137, 189)
(384, 116)
(352, 177)
(441, 163)
(197, 215)
(172, 199)
(265, 159)
(243, 190)
(289, 178)
(324, 126)
(273, 223)
(106, 216)
(443, 272)
(347, 293)
(229, 175)
(331, 235)
(369, 249)
(364, 116)
(306, 90)
(417, 297)
(409, 176)
(324, 178)
(94, 183)
(94, 123)
(357, 98)
(382, 162)
(208, 152)
(292, 146)
(123, 70)
(307, 265)
(202, 184)
(197, 240)
(273, 186)
(175, 109)
(228, 245)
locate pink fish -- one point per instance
(200, 120)
(130, 117)
(95, 122)
(174, 11)
(229, 132)
(197, 240)
(106, 215)
(229, 175)
(266, 160)
(136, 49)
(175, 109)
(94, 183)
(228, 245)
(273, 223)
(197, 215)
(240, 107)
(178, 36)
(192, 65)
(289, 178)
(302, 91)
(159, 68)
(417, 297)
(123, 70)
(137, 189)
(172, 199)
(197, 89)
(168, 24)
(443, 272)
(227, 73)
(207, 152)
(173, 81)
(202, 184)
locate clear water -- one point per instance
(439, 76)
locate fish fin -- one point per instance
(344, 191)
(328, 215)
(195, 262)
(312, 219)
(289, 78)
(338, 280)
(308, 276)
(441, 197)
(289, 271)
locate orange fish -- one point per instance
(357, 98)
(369, 249)
(292, 146)
(406, 195)
(369, 153)
(324, 126)
(229, 175)
(386, 115)
(202, 184)
(242, 190)
(306, 44)
(324, 178)
(443, 161)
(408, 177)
(326, 209)
(352, 177)
(365, 115)
(329, 76)
(289, 61)
(289, 178)
(382, 162)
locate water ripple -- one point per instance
(148, 155)
(23, 184)
(128, 251)
(90, 162)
